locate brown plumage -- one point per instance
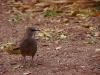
(28, 45)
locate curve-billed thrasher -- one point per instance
(28, 45)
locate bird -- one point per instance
(28, 44)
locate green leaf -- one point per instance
(97, 8)
(88, 42)
(17, 19)
(15, 67)
(51, 13)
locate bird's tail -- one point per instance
(17, 48)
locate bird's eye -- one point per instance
(31, 29)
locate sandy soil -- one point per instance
(73, 56)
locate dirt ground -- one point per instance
(70, 56)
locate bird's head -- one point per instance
(31, 30)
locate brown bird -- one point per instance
(28, 45)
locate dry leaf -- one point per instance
(57, 48)
(10, 43)
(47, 34)
(15, 67)
(44, 34)
(85, 4)
(13, 51)
(91, 42)
(58, 60)
(65, 20)
(27, 73)
(43, 4)
(87, 26)
(47, 38)
(62, 37)
(97, 12)
(2, 47)
(41, 34)
(6, 45)
(74, 13)
(44, 44)
(97, 34)
(48, 48)
(58, 21)
(26, 6)
(97, 50)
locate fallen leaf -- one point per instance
(47, 38)
(10, 43)
(57, 48)
(2, 47)
(58, 60)
(26, 6)
(97, 34)
(82, 66)
(41, 34)
(87, 26)
(6, 45)
(27, 73)
(97, 50)
(47, 34)
(65, 20)
(14, 9)
(44, 34)
(15, 67)
(48, 48)
(74, 13)
(13, 51)
(50, 13)
(67, 24)
(58, 21)
(17, 19)
(62, 37)
(78, 22)
(88, 42)
(43, 4)
(91, 28)
(44, 44)
(56, 42)
(83, 15)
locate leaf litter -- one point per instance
(74, 60)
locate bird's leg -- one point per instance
(24, 60)
(32, 61)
